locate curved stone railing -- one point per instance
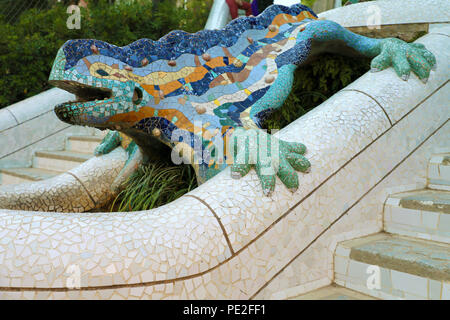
(384, 18)
(31, 125)
(224, 239)
(218, 16)
(80, 189)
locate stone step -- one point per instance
(61, 161)
(333, 292)
(439, 172)
(389, 266)
(423, 214)
(85, 144)
(438, 184)
(21, 175)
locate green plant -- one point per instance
(154, 185)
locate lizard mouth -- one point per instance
(83, 93)
(94, 106)
(82, 111)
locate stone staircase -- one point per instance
(411, 258)
(47, 164)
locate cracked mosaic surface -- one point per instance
(315, 268)
(177, 240)
(402, 12)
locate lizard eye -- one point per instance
(102, 72)
(137, 96)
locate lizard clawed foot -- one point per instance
(404, 58)
(270, 157)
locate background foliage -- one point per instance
(308, 3)
(28, 43)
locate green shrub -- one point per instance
(29, 45)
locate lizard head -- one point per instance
(105, 81)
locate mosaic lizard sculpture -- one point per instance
(193, 92)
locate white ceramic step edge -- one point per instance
(439, 172)
(415, 223)
(392, 284)
(50, 161)
(84, 144)
(23, 175)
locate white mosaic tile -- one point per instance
(98, 173)
(409, 283)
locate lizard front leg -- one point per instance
(403, 57)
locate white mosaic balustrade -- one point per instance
(31, 125)
(390, 94)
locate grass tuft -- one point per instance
(154, 185)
